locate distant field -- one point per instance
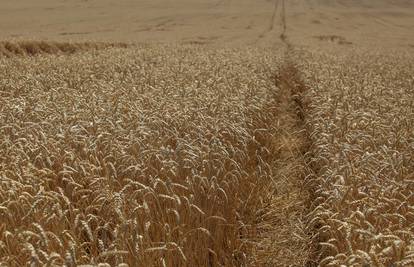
(213, 22)
(206, 133)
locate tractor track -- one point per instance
(272, 22)
(291, 84)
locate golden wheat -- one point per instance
(360, 117)
(152, 156)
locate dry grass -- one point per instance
(155, 156)
(361, 121)
(32, 48)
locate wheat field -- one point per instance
(34, 47)
(171, 155)
(360, 120)
(158, 156)
(200, 133)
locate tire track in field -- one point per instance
(272, 22)
(283, 24)
(277, 21)
(290, 102)
(291, 84)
